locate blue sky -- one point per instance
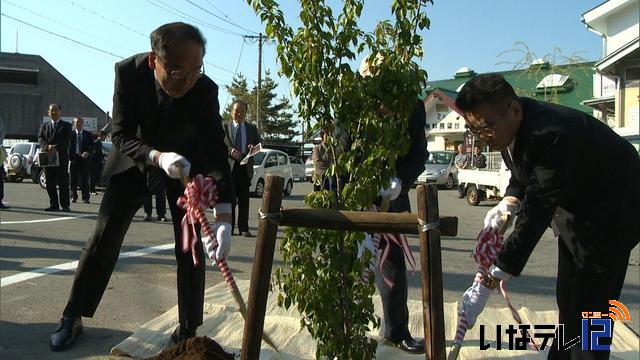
(463, 33)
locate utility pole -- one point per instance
(259, 37)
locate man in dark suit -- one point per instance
(241, 137)
(553, 153)
(97, 155)
(79, 151)
(408, 167)
(54, 138)
(166, 123)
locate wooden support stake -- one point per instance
(261, 273)
(431, 270)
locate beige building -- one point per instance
(616, 84)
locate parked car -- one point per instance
(440, 169)
(269, 161)
(39, 177)
(297, 168)
(309, 169)
(20, 158)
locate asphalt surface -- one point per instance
(143, 285)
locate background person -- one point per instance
(166, 123)
(553, 152)
(479, 161)
(241, 138)
(462, 161)
(161, 206)
(97, 156)
(80, 146)
(53, 137)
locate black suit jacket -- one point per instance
(85, 145)
(253, 138)
(190, 126)
(58, 136)
(573, 169)
(411, 165)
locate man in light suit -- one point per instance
(54, 137)
(553, 153)
(79, 151)
(241, 137)
(166, 123)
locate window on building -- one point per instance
(456, 126)
(18, 76)
(632, 77)
(449, 126)
(441, 126)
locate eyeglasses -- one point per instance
(181, 74)
(488, 127)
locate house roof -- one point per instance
(578, 89)
(607, 63)
(596, 18)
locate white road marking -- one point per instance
(46, 220)
(27, 275)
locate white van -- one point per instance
(270, 161)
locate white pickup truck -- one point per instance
(485, 184)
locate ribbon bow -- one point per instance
(199, 194)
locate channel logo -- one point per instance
(617, 311)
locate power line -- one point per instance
(234, 73)
(217, 8)
(108, 19)
(68, 26)
(175, 11)
(64, 37)
(220, 17)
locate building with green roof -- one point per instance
(568, 85)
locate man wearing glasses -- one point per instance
(554, 154)
(166, 123)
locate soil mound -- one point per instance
(195, 348)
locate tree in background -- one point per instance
(323, 278)
(533, 66)
(276, 118)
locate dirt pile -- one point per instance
(196, 348)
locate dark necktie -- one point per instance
(237, 140)
(79, 141)
(507, 158)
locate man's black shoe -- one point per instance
(74, 200)
(162, 218)
(3, 206)
(247, 234)
(52, 208)
(182, 333)
(66, 209)
(147, 218)
(86, 201)
(409, 345)
(63, 338)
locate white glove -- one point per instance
(473, 302)
(172, 163)
(507, 208)
(367, 244)
(395, 186)
(223, 235)
(496, 272)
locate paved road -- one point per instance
(143, 285)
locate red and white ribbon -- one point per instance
(398, 239)
(199, 194)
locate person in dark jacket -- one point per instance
(79, 153)
(479, 160)
(54, 138)
(166, 123)
(553, 152)
(97, 156)
(408, 167)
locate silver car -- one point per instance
(440, 169)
